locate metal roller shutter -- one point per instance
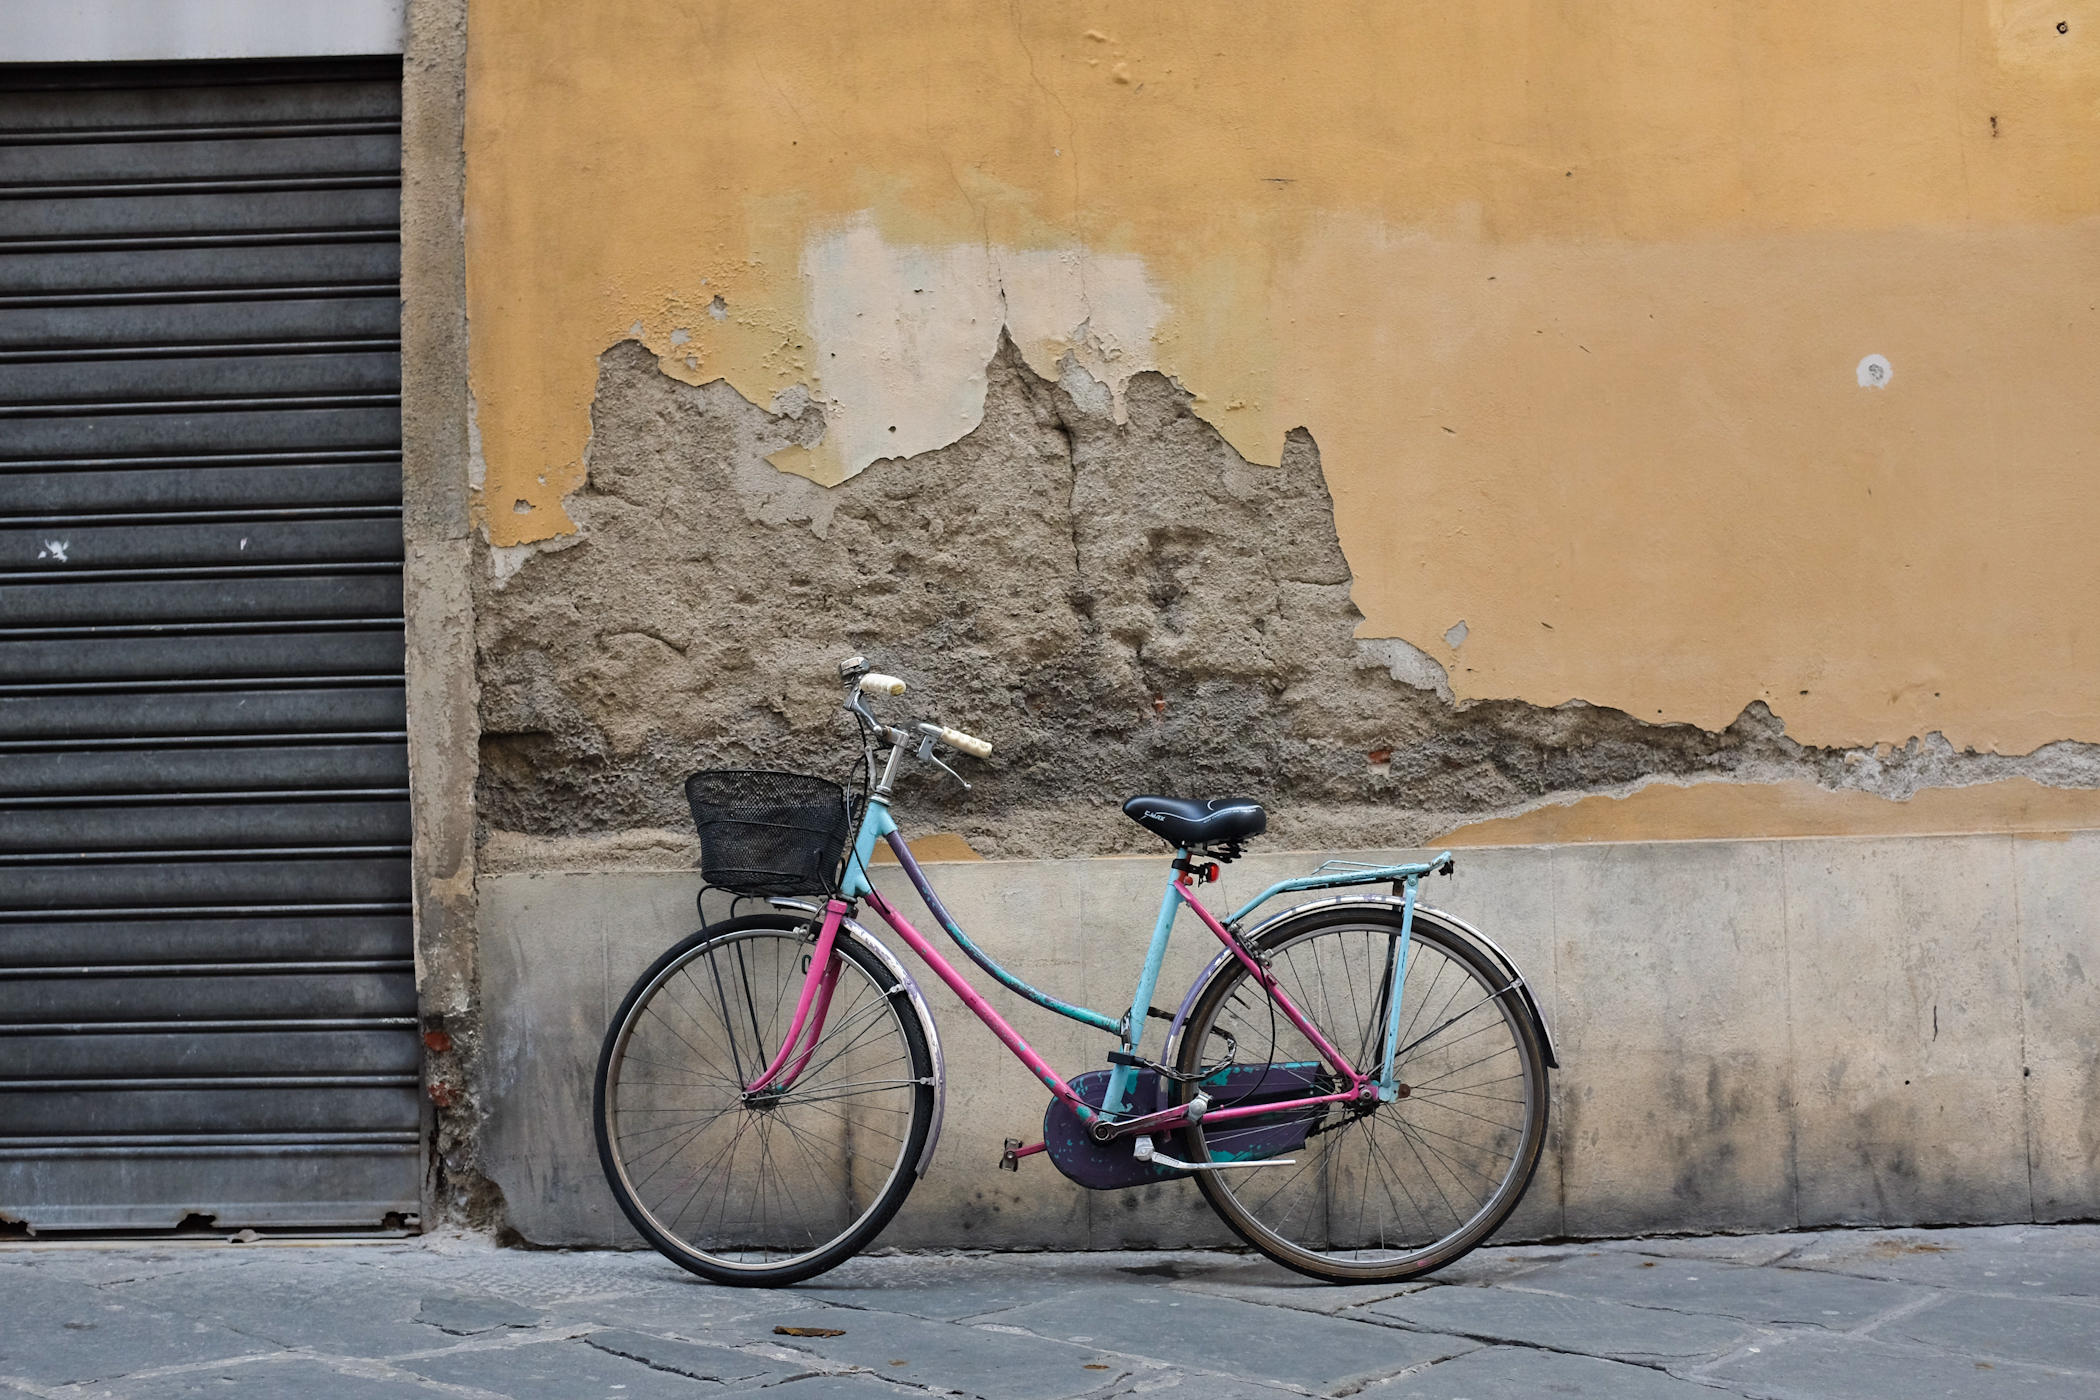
(207, 993)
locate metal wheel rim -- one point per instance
(618, 1062)
(1516, 1164)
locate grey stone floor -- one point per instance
(1906, 1313)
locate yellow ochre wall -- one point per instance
(1571, 298)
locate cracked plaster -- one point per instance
(1119, 606)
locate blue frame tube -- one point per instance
(856, 884)
(1368, 875)
(1386, 1087)
(1133, 1030)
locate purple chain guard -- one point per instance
(1110, 1166)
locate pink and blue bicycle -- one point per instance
(1357, 1084)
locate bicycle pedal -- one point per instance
(1010, 1159)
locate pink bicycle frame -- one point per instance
(822, 977)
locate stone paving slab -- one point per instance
(290, 1303)
(939, 1355)
(2059, 1261)
(1576, 1325)
(1831, 1315)
(1852, 1368)
(271, 1380)
(57, 1332)
(571, 1369)
(1519, 1373)
(2040, 1331)
(1230, 1337)
(753, 1366)
(1767, 1295)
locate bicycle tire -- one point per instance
(691, 1157)
(1450, 1161)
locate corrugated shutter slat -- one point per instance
(207, 989)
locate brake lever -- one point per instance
(926, 754)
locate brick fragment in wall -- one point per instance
(1120, 608)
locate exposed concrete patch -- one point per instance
(1120, 607)
(441, 467)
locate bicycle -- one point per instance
(1358, 1085)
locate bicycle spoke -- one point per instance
(1380, 1191)
(751, 1183)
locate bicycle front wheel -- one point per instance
(1376, 1192)
(772, 1188)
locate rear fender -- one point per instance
(1449, 923)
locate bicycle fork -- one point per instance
(820, 980)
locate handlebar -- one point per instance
(861, 681)
(956, 739)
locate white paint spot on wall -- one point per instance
(506, 559)
(477, 464)
(1406, 663)
(54, 550)
(903, 334)
(719, 309)
(680, 336)
(1874, 373)
(1456, 637)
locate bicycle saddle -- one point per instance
(1198, 821)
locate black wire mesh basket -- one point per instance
(766, 833)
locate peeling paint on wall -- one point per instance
(1735, 811)
(1567, 298)
(900, 336)
(1119, 606)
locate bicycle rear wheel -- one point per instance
(1384, 1191)
(768, 1189)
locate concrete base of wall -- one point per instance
(1755, 1035)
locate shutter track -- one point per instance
(207, 985)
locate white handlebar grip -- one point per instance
(876, 683)
(968, 743)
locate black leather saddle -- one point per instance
(1198, 821)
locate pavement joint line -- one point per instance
(373, 1369)
(1403, 1373)
(1357, 1385)
(1489, 1339)
(1699, 1371)
(364, 1367)
(1334, 1310)
(1142, 1361)
(610, 1350)
(1781, 1337)
(1809, 1328)
(1900, 1310)
(508, 1339)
